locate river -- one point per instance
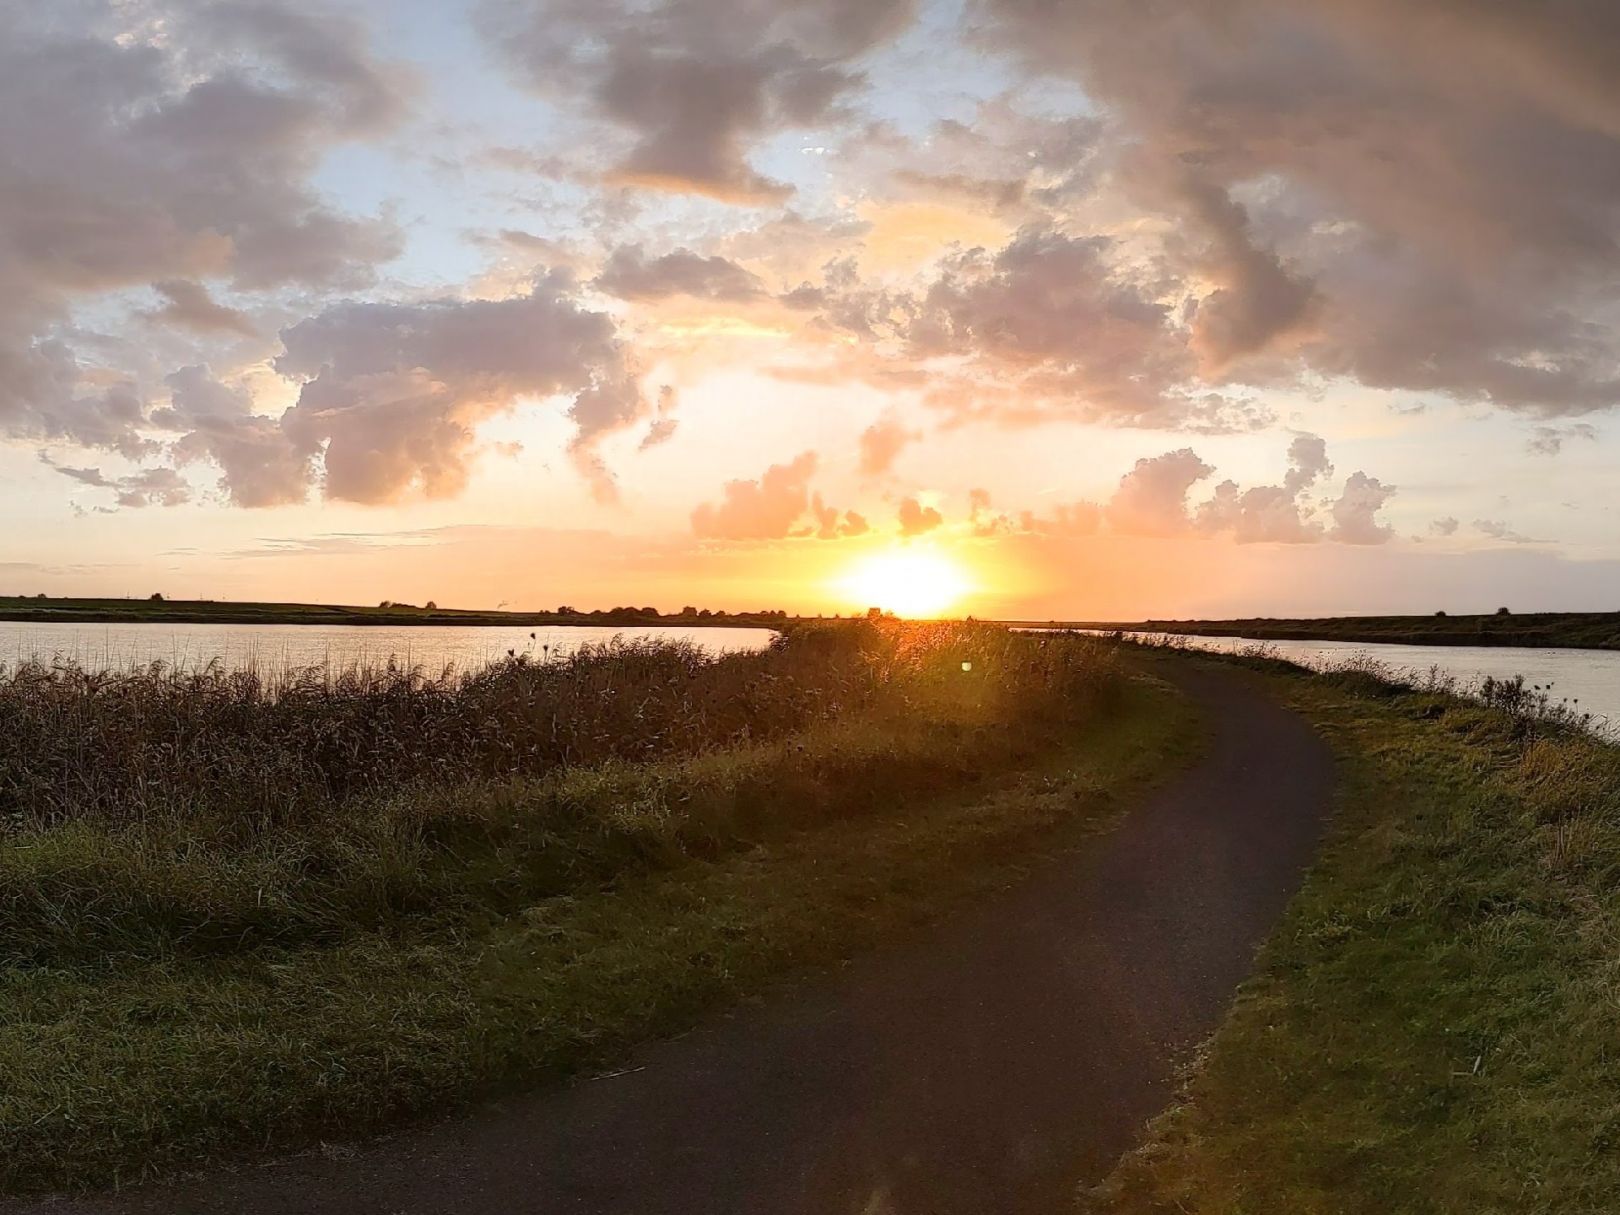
(278, 647)
(1588, 679)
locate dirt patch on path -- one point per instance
(987, 1068)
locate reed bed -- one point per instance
(155, 813)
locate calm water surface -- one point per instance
(1588, 679)
(273, 647)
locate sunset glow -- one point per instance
(915, 583)
(459, 312)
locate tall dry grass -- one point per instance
(156, 811)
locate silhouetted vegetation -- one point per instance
(387, 612)
(1577, 630)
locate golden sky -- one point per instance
(989, 306)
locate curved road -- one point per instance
(990, 1067)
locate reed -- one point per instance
(157, 812)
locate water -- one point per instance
(277, 647)
(1589, 680)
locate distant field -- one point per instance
(209, 611)
(1575, 630)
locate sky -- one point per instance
(1073, 309)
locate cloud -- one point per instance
(695, 82)
(391, 396)
(1307, 462)
(1496, 529)
(1055, 310)
(392, 393)
(189, 304)
(983, 521)
(1257, 300)
(1550, 440)
(1067, 519)
(1273, 514)
(831, 525)
(630, 274)
(260, 463)
(1152, 498)
(1415, 196)
(147, 487)
(766, 509)
(173, 145)
(1052, 324)
(917, 519)
(881, 444)
(664, 421)
(1355, 511)
(1444, 526)
(1264, 514)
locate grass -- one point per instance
(1431, 1028)
(248, 750)
(1577, 630)
(208, 976)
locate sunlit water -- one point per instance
(1587, 680)
(277, 647)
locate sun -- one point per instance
(907, 582)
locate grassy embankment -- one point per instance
(1432, 1027)
(42, 610)
(1575, 630)
(237, 915)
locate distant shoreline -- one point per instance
(27, 610)
(1532, 630)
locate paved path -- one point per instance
(986, 1069)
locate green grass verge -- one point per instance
(115, 1072)
(1432, 1026)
